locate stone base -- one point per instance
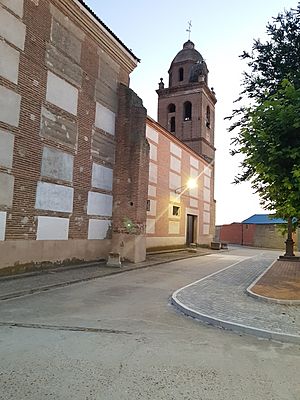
(114, 260)
(289, 258)
(129, 247)
(215, 245)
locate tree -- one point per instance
(269, 128)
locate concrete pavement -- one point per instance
(50, 278)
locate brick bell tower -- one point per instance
(187, 107)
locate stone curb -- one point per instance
(266, 298)
(228, 325)
(121, 270)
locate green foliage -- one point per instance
(269, 129)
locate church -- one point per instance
(84, 172)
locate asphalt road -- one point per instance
(118, 338)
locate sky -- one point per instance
(221, 30)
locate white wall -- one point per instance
(15, 5)
(52, 228)
(98, 228)
(9, 62)
(2, 225)
(6, 149)
(61, 93)
(152, 172)
(105, 119)
(54, 197)
(6, 189)
(99, 204)
(12, 29)
(9, 106)
(151, 134)
(102, 177)
(57, 164)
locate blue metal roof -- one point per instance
(263, 219)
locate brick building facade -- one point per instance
(74, 157)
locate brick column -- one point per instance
(131, 175)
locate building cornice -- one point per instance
(94, 28)
(183, 90)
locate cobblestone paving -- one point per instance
(222, 298)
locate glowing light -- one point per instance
(191, 183)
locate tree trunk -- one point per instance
(289, 243)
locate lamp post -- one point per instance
(191, 184)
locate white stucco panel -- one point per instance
(15, 6)
(151, 134)
(152, 210)
(152, 191)
(194, 203)
(207, 182)
(194, 173)
(205, 229)
(174, 181)
(52, 228)
(206, 207)
(174, 227)
(6, 149)
(98, 229)
(176, 150)
(9, 106)
(194, 162)
(175, 198)
(206, 217)
(2, 225)
(57, 164)
(105, 119)
(99, 204)
(12, 29)
(6, 189)
(150, 226)
(207, 171)
(9, 62)
(62, 93)
(102, 177)
(206, 195)
(153, 152)
(175, 164)
(152, 172)
(54, 197)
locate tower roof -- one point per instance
(188, 53)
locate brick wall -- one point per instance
(58, 106)
(172, 163)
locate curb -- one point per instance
(231, 326)
(228, 325)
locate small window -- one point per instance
(247, 226)
(176, 211)
(170, 79)
(172, 124)
(148, 205)
(180, 74)
(171, 108)
(208, 117)
(187, 107)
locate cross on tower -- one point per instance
(189, 30)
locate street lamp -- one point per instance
(191, 184)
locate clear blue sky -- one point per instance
(156, 30)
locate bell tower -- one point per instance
(187, 107)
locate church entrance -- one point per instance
(191, 229)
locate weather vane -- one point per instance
(189, 30)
